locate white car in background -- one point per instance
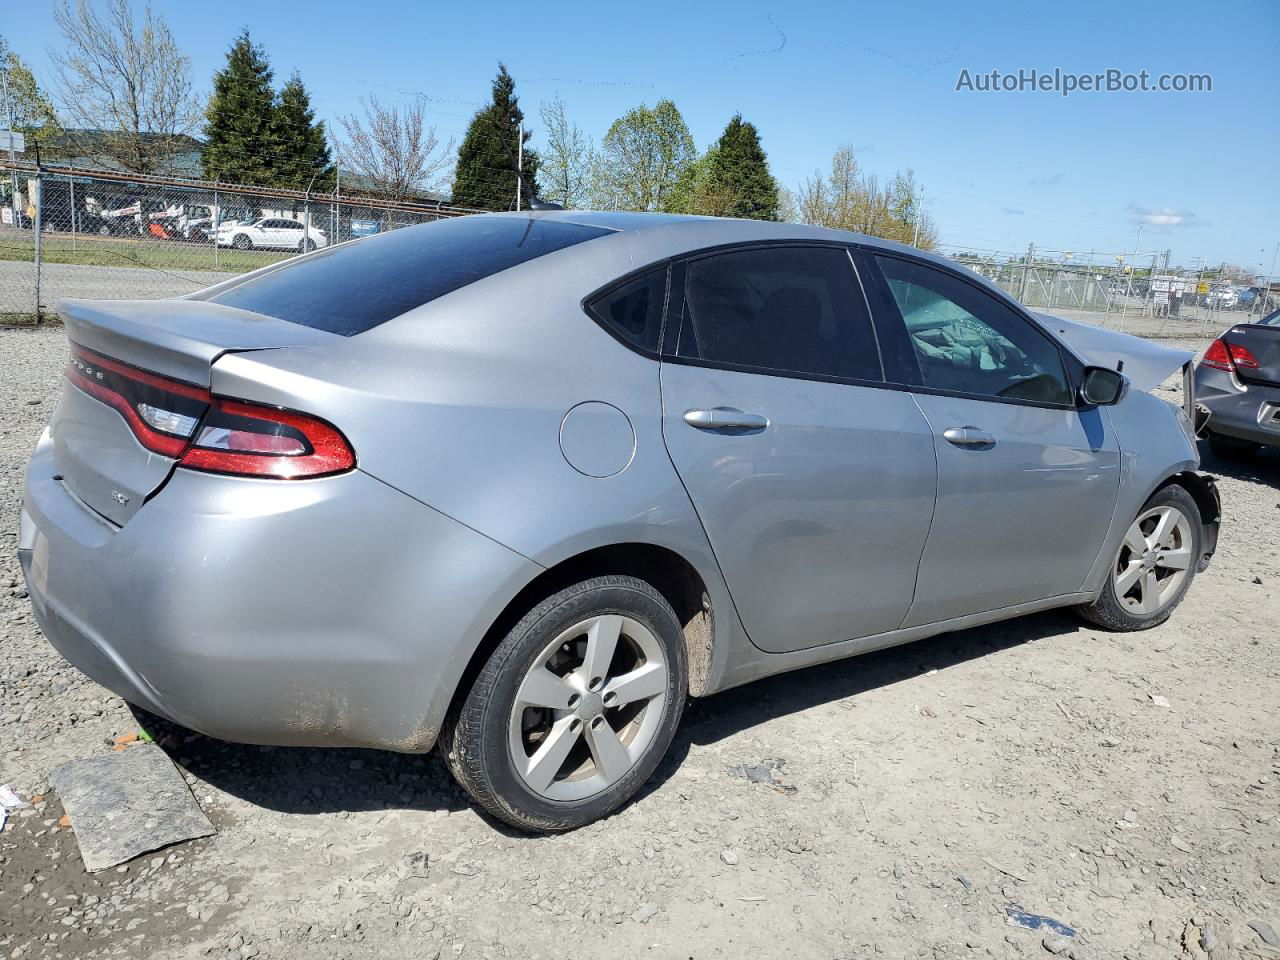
(275, 233)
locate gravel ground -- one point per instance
(894, 805)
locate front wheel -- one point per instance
(1154, 566)
(574, 709)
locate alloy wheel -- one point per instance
(588, 708)
(1154, 560)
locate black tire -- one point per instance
(241, 242)
(474, 739)
(1108, 612)
(1231, 448)
(306, 246)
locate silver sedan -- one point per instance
(518, 485)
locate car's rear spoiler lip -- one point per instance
(177, 338)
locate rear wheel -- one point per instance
(574, 709)
(1230, 448)
(241, 242)
(1154, 566)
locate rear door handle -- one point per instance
(725, 418)
(968, 437)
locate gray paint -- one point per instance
(344, 610)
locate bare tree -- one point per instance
(393, 150)
(848, 199)
(125, 85)
(567, 162)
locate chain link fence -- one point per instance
(1154, 303)
(67, 232)
(76, 233)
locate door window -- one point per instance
(779, 309)
(967, 341)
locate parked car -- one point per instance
(519, 484)
(275, 233)
(1237, 385)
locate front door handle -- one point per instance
(725, 418)
(968, 437)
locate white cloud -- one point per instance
(1164, 217)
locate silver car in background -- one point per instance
(1238, 388)
(518, 484)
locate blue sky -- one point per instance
(1000, 170)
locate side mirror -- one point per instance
(1102, 387)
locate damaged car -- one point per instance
(1237, 386)
(517, 485)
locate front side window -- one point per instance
(967, 341)
(633, 310)
(779, 309)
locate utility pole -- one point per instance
(519, 163)
(1026, 265)
(13, 173)
(915, 226)
(1133, 265)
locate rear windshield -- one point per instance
(354, 287)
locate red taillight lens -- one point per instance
(1229, 356)
(1242, 357)
(253, 440)
(1217, 356)
(161, 412)
(204, 432)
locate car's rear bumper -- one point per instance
(332, 612)
(1246, 411)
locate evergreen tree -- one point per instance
(300, 145)
(240, 121)
(486, 174)
(738, 171)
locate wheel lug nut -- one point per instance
(595, 683)
(610, 698)
(597, 723)
(574, 701)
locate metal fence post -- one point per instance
(38, 204)
(71, 184)
(217, 213)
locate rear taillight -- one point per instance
(1242, 357)
(254, 440)
(161, 412)
(214, 434)
(1229, 356)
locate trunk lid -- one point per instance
(1263, 341)
(142, 368)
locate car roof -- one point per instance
(682, 233)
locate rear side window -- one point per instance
(633, 310)
(780, 309)
(356, 286)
